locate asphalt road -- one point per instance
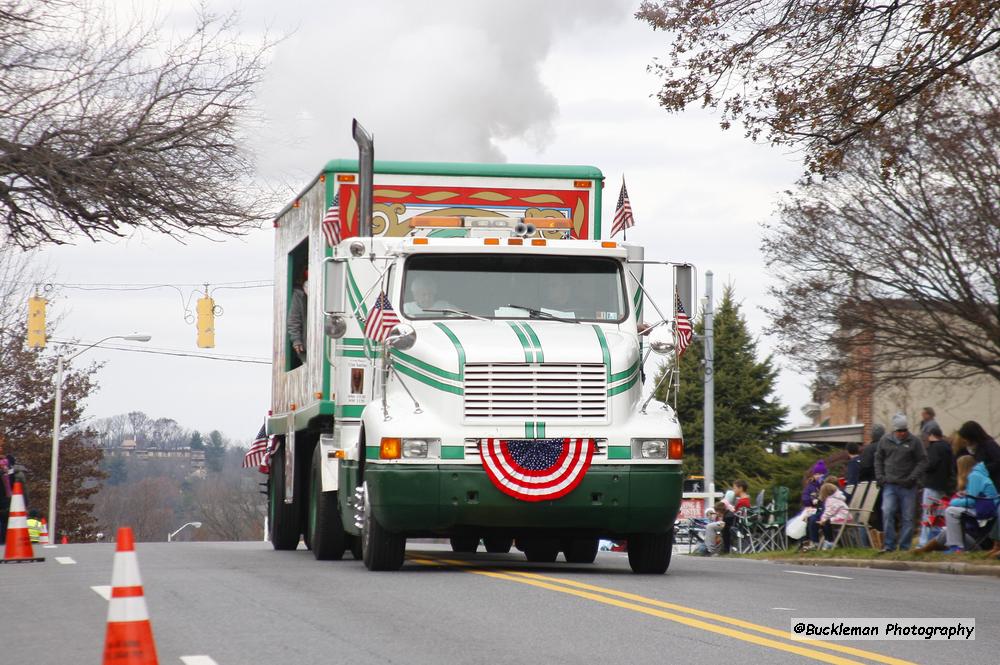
(242, 603)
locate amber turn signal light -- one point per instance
(675, 448)
(390, 449)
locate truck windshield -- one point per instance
(513, 286)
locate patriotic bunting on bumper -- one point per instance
(536, 469)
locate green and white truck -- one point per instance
(470, 367)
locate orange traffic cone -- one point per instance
(129, 639)
(18, 541)
(43, 537)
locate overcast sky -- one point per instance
(557, 82)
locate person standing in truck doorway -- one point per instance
(297, 318)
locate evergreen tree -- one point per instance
(196, 442)
(215, 452)
(748, 418)
(26, 402)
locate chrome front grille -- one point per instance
(535, 391)
(472, 450)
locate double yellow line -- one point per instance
(688, 616)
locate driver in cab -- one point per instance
(423, 298)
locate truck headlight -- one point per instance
(416, 448)
(650, 448)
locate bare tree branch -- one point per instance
(819, 75)
(104, 129)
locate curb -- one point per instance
(956, 568)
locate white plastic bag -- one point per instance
(796, 527)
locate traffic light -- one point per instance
(206, 323)
(36, 322)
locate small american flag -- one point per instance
(381, 319)
(258, 449)
(683, 324)
(331, 222)
(623, 213)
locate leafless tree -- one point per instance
(107, 128)
(818, 75)
(899, 268)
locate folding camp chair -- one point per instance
(854, 507)
(978, 529)
(774, 519)
(857, 527)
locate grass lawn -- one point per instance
(868, 553)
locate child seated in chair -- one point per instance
(973, 481)
(834, 511)
(715, 530)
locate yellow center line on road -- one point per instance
(591, 592)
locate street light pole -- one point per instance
(57, 424)
(170, 536)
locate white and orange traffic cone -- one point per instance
(18, 548)
(43, 537)
(129, 639)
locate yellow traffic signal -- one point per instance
(206, 323)
(36, 322)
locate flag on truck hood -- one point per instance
(536, 469)
(258, 450)
(331, 222)
(381, 319)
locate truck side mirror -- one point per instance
(334, 285)
(684, 288)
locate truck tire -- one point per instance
(324, 526)
(541, 551)
(581, 550)
(464, 543)
(381, 549)
(498, 544)
(649, 553)
(283, 518)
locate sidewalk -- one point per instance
(965, 564)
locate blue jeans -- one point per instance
(898, 498)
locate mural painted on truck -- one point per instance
(394, 207)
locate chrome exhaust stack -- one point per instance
(366, 172)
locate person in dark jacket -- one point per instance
(939, 479)
(900, 462)
(867, 468)
(852, 472)
(867, 473)
(927, 423)
(980, 445)
(297, 319)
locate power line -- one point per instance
(175, 352)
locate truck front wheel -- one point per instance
(325, 529)
(283, 518)
(464, 543)
(381, 549)
(649, 553)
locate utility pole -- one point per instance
(709, 406)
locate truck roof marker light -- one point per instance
(296, 204)
(607, 244)
(293, 406)
(675, 448)
(581, 184)
(318, 395)
(336, 454)
(515, 241)
(346, 177)
(491, 241)
(538, 242)
(390, 448)
(435, 222)
(541, 223)
(322, 177)
(420, 241)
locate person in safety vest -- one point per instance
(34, 525)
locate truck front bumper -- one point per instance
(613, 500)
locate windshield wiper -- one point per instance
(460, 312)
(539, 314)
